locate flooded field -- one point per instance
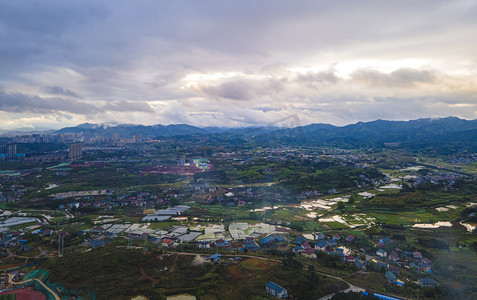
(181, 297)
(433, 226)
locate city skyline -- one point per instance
(236, 63)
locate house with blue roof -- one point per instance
(276, 290)
(251, 247)
(298, 249)
(382, 265)
(321, 245)
(360, 266)
(215, 257)
(300, 240)
(320, 236)
(221, 243)
(390, 276)
(271, 239)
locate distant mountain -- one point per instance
(158, 130)
(245, 131)
(128, 130)
(450, 132)
(379, 132)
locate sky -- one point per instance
(235, 63)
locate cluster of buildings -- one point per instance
(105, 199)
(445, 179)
(74, 136)
(408, 259)
(329, 246)
(248, 244)
(8, 151)
(47, 138)
(10, 192)
(465, 158)
(118, 142)
(11, 239)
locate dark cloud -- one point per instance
(235, 90)
(314, 79)
(22, 103)
(125, 106)
(57, 90)
(241, 89)
(19, 103)
(405, 77)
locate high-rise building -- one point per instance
(115, 137)
(76, 150)
(12, 150)
(3, 148)
(138, 138)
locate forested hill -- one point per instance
(447, 134)
(442, 133)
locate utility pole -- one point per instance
(61, 244)
(144, 247)
(129, 240)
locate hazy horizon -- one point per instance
(284, 124)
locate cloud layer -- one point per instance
(235, 63)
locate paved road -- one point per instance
(226, 255)
(40, 282)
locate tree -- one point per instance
(174, 201)
(353, 198)
(341, 205)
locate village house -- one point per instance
(276, 290)
(250, 245)
(97, 230)
(321, 245)
(221, 243)
(205, 245)
(310, 253)
(395, 269)
(350, 238)
(417, 255)
(381, 253)
(215, 257)
(426, 282)
(390, 276)
(320, 236)
(381, 264)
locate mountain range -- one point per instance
(379, 130)
(415, 133)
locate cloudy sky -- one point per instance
(235, 63)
